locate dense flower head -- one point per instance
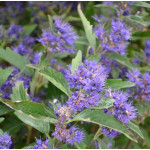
(122, 109)
(63, 38)
(147, 50)
(110, 132)
(69, 136)
(41, 144)
(117, 39)
(88, 81)
(141, 90)
(63, 132)
(5, 141)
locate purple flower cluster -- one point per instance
(141, 90)
(122, 110)
(124, 7)
(110, 132)
(117, 41)
(41, 144)
(63, 38)
(147, 50)
(63, 132)
(5, 141)
(88, 81)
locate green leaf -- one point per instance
(2, 119)
(51, 23)
(88, 29)
(103, 119)
(141, 4)
(34, 110)
(102, 144)
(16, 59)
(124, 60)
(105, 103)
(106, 6)
(81, 145)
(43, 127)
(19, 93)
(28, 29)
(12, 124)
(57, 79)
(143, 108)
(4, 74)
(95, 57)
(136, 19)
(4, 109)
(135, 128)
(76, 62)
(116, 84)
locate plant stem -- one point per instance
(29, 135)
(96, 136)
(128, 144)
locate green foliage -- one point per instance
(116, 84)
(105, 103)
(57, 79)
(135, 128)
(124, 60)
(4, 74)
(28, 29)
(33, 110)
(19, 93)
(43, 127)
(141, 4)
(88, 29)
(76, 62)
(103, 119)
(16, 59)
(1, 119)
(4, 109)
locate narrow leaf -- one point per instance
(4, 74)
(88, 29)
(2, 119)
(103, 119)
(141, 4)
(116, 84)
(57, 79)
(43, 127)
(76, 61)
(16, 59)
(28, 29)
(33, 110)
(135, 128)
(124, 60)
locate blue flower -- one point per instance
(5, 141)
(62, 40)
(41, 144)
